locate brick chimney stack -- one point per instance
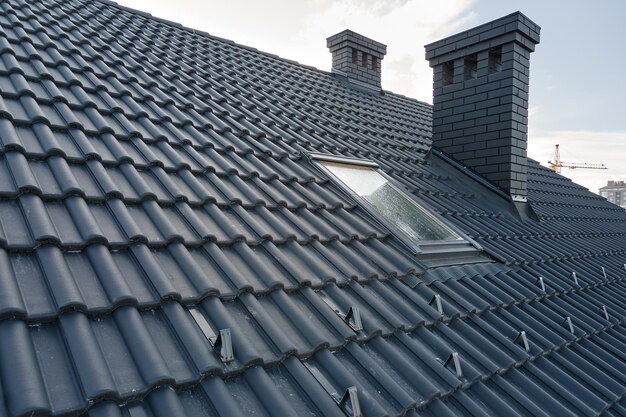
(357, 57)
(480, 99)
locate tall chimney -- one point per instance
(357, 57)
(480, 99)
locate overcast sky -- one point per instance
(578, 72)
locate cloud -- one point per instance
(400, 73)
(383, 7)
(596, 147)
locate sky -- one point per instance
(577, 75)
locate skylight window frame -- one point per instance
(418, 247)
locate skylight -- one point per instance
(390, 202)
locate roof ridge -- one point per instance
(207, 34)
(250, 48)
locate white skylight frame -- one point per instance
(418, 246)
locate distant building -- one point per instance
(615, 192)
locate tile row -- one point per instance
(55, 178)
(122, 356)
(40, 284)
(74, 222)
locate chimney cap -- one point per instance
(352, 39)
(515, 27)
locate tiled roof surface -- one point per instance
(154, 189)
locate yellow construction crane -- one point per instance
(557, 164)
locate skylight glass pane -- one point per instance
(394, 205)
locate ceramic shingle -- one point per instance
(156, 188)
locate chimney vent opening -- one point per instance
(374, 63)
(364, 60)
(471, 66)
(447, 73)
(355, 56)
(495, 59)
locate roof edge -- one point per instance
(207, 34)
(250, 48)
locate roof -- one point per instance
(155, 188)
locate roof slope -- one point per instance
(155, 189)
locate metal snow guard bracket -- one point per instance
(523, 339)
(223, 345)
(437, 301)
(456, 362)
(349, 401)
(356, 324)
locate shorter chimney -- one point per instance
(357, 57)
(480, 99)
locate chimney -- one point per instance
(357, 57)
(480, 99)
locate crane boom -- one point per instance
(583, 165)
(557, 164)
